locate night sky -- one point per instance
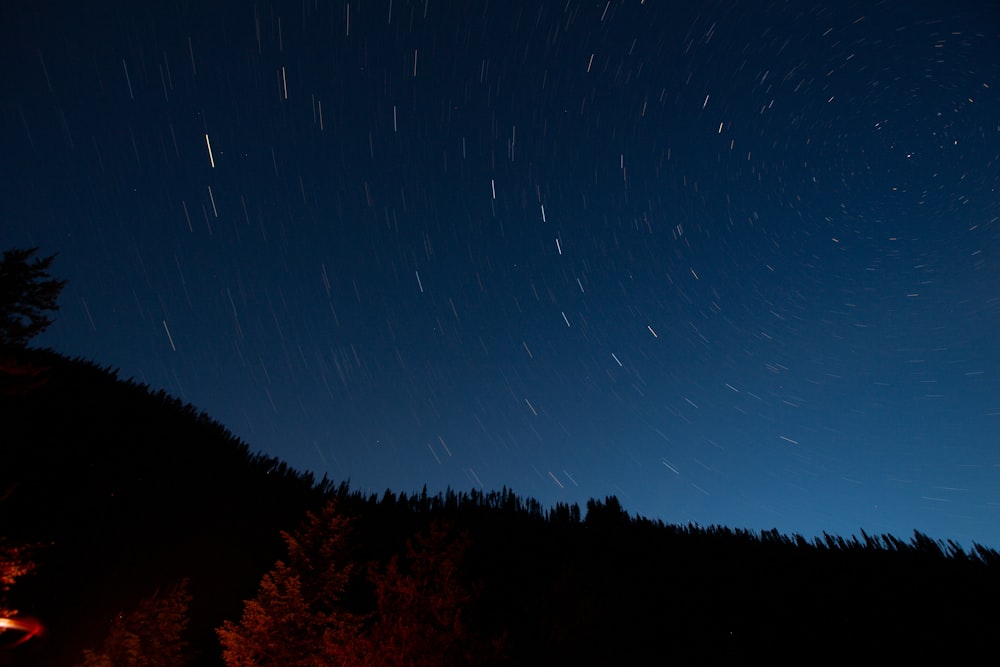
(734, 262)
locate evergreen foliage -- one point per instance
(298, 618)
(152, 635)
(130, 488)
(26, 292)
(423, 607)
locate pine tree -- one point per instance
(298, 618)
(26, 292)
(423, 607)
(150, 636)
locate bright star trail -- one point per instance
(733, 262)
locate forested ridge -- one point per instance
(132, 506)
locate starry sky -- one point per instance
(733, 262)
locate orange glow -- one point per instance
(29, 627)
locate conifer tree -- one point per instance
(150, 636)
(26, 292)
(423, 607)
(298, 618)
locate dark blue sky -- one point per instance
(736, 263)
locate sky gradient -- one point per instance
(734, 262)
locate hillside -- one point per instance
(127, 491)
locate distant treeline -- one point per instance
(137, 506)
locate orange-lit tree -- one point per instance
(298, 618)
(15, 562)
(150, 636)
(423, 605)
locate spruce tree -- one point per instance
(298, 618)
(423, 607)
(26, 292)
(150, 636)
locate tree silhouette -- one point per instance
(607, 514)
(26, 292)
(298, 618)
(559, 588)
(150, 636)
(423, 606)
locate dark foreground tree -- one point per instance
(423, 607)
(150, 636)
(27, 291)
(298, 618)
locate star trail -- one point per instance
(733, 262)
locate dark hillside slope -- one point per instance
(609, 588)
(129, 490)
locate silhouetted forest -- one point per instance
(150, 525)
